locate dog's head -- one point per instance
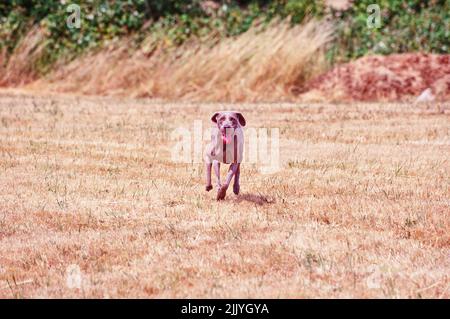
(227, 122)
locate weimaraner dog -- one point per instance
(227, 145)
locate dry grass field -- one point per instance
(360, 208)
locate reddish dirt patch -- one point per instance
(393, 77)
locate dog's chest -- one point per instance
(228, 152)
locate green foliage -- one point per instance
(301, 9)
(11, 29)
(405, 26)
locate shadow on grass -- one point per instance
(256, 199)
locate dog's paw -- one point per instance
(236, 189)
(221, 193)
(208, 188)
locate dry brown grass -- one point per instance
(20, 68)
(258, 65)
(363, 197)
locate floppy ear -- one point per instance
(241, 119)
(214, 117)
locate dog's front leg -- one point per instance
(208, 177)
(236, 186)
(216, 165)
(223, 189)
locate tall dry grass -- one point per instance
(20, 67)
(269, 64)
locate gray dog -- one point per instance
(227, 146)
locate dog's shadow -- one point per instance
(256, 199)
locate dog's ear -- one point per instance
(240, 118)
(214, 117)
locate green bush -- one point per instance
(301, 9)
(406, 26)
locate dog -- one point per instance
(227, 146)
